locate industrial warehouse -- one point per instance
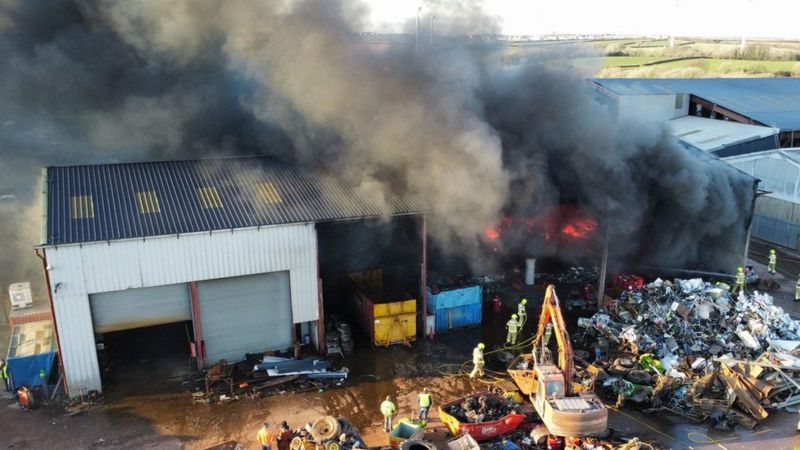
(224, 250)
(352, 225)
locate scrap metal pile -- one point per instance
(479, 409)
(696, 350)
(328, 433)
(574, 276)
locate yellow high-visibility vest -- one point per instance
(425, 400)
(388, 408)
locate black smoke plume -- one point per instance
(86, 82)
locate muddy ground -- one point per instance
(161, 415)
(171, 420)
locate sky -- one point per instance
(707, 18)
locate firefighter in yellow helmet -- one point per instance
(773, 260)
(522, 312)
(477, 360)
(513, 326)
(388, 411)
(739, 280)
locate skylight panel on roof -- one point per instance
(148, 202)
(82, 206)
(209, 197)
(267, 192)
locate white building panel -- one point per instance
(78, 353)
(653, 107)
(82, 269)
(778, 170)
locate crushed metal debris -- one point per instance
(695, 349)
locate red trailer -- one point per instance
(481, 431)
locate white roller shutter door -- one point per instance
(245, 315)
(137, 308)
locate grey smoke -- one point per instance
(87, 82)
(662, 204)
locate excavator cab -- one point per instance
(547, 377)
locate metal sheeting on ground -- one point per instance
(245, 315)
(120, 201)
(137, 308)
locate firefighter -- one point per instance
(425, 400)
(513, 327)
(4, 369)
(388, 409)
(477, 360)
(773, 259)
(522, 312)
(739, 280)
(797, 290)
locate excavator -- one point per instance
(566, 408)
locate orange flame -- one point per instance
(580, 229)
(492, 233)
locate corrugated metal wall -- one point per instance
(778, 174)
(778, 209)
(80, 270)
(776, 231)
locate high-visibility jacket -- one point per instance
(425, 400)
(388, 408)
(512, 325)
(521, 310)
(477, 356)
(4, 368)
(773, 258)
(265, 436)
(740, 278)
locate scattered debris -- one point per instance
(476, 409)
(483, 415)
(327, 433)
(696, 350)
(261, 376)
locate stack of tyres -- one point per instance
(346, 337)
(333, 343)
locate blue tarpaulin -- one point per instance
(32, 349)
(456, 308)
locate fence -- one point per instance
(776, 231)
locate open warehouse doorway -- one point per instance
(371, 273)
(142, 337)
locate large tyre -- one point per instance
(332, 445)
(325, 428)
(418, 445)
(296, 443)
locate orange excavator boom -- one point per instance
(551, 314)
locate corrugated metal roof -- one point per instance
(771, 101)
(119, 201)
(712, 134)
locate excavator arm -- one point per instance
(551, 313)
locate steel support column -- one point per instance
(423, 281)
(199, 345)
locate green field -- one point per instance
(733, 64)
(618, 61)
(688, 58)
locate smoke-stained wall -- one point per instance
(87, 82)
